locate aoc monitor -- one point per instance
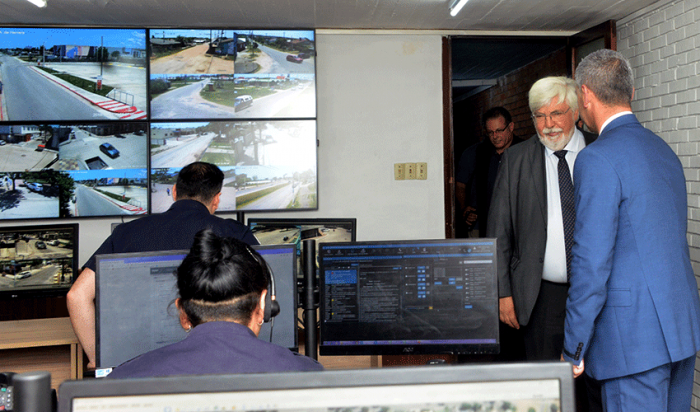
(546, 386)
(408, 297)
(136, 313)
(38, 260)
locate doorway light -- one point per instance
(455, 7)
(38, 3)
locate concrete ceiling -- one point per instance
(487, 15)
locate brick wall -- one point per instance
(511, 93)
(661, 44)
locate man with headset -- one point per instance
(197, 194)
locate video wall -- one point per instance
(99, 121)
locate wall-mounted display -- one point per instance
(248, 74)
(268, 165)
(99, 121)
(53, 74)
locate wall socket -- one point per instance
(421, 171)
(410, 171)
(399, 171)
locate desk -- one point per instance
(41, 344)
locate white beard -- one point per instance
(558, 144)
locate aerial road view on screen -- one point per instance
(108, 192)
(268, 164)
(199, 74)
(42, 258)
(72, 74)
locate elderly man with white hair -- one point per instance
(532, 216)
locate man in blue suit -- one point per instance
(633, 310)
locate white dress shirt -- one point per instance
(554, 269)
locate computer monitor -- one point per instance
(37, 260)
(135, 310)
(544, 386)
(271, 231)
(409, 297)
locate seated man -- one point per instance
(196, 194)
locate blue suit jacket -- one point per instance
(633, 302)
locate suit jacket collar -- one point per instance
(620, 121)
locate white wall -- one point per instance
(379, 103)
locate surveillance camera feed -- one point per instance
(52, 170)
(98, 122)
(37, 259)
(50, 74)
(268, 165)
(249, 74)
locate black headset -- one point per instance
(272, 307)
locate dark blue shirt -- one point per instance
(171, 230)
(216, 348)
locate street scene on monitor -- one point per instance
(269, 165)
(72, 74)
(36, 258)
(199, 74)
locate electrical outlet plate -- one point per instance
(399, 171)
(421, 171)
(410, 171)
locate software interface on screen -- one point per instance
(419, 296)
(534, 395)
(135, 302)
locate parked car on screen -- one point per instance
(23, 275)
(294, 59)
(37, 187)
(40, 245)
(109, 150)
(242, 102)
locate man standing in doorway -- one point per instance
(633, 310)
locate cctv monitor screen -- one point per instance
(37, 260)
(135, 310)
(538, 387)
(69, 74)
(271, 231)
(232, 74)
(268, 165)
(406, 297)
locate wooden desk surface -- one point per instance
(30, 333)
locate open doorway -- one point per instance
(483, 72)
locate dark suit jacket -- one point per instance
(485, 172)
(518, 219)
(633, 301)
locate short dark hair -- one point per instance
(494, 113)
(221, 278)
(200, 181)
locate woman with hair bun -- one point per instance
(222, 285)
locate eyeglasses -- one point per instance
(555, 116)
(490, 133)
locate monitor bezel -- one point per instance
(373, 377)
(42, 291)
(407, 348)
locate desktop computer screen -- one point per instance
(544, 386)
(408, 297)
(135, 309)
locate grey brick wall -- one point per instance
(662, 42)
